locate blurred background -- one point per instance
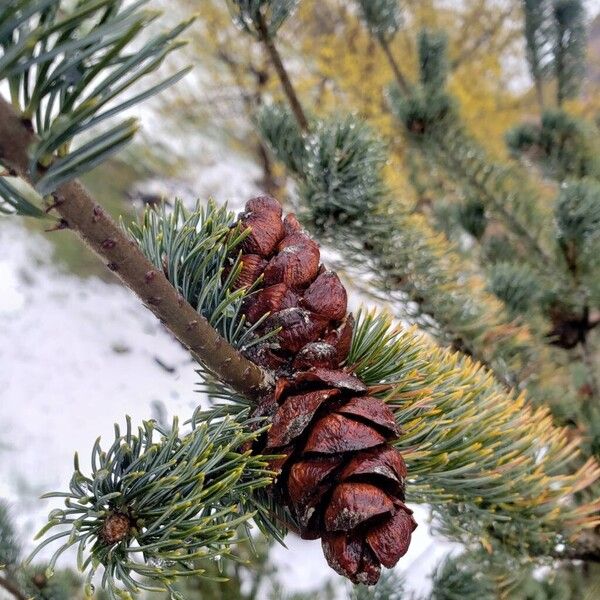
(77, 350)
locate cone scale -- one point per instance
(341, 476)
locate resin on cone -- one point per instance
(341, 476)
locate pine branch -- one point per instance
(564, 146)
(400, 78)
(69, 70)
(488, 187)
(9, 547)
(85, 217)
(539, 33)
(464, 576)
(44, 45)
(556, 39)
(250, 15)
(12, 589)
(200, 253)
(384, 19)
(152, 507)
(569, 48)
(430, 118)
(338, 167)
(439, 133)
(9, 553)
(481, 471)
(286, 82)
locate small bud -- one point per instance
(116, 528)
(40, 580)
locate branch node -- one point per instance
(97, 213)
(57, 202)
(108, 244)
(27, 123)
(116, 528)
(61, 224)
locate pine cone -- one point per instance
(341, 477)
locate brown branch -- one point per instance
(485, 36)
(587, 358)
(539, 93)
(286, 83)
(400, 79)
(122, 255)
(12, 589)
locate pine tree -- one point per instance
(322, 422)
(523, 266)
(556, 38)
(538, 31)
(24, 583)
(532, 241)
(472, 575)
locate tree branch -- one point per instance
(506, 215)
(83, 215)
(11, 589)
(485, 36)
(587, 357)
(286, 83)
(400, 79)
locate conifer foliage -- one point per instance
(555, 35)
(321, 423)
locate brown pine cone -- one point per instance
(341, 477)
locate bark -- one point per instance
(11, 589)
(83, 215)
(286, 83)
(400, 79)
